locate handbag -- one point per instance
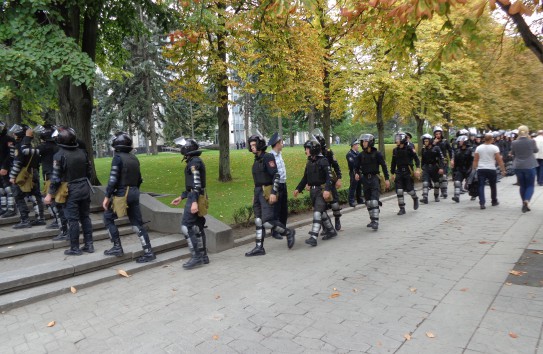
(24, 178)
(120, 204)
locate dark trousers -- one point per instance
(371, 187)
(78, 210)
(355, 189)
(540, 172)
(492, 177)
(526, 181)
(280, 208)
(133, 212)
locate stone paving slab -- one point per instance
(431, 281)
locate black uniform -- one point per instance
(265, 174)
(48, 149)
(463, 162)
(7, 152)
(402, 159)
(355, 187)
(125, 180)
(71, 165)
(29, 157)
(448, 154)
(367, 168)
(318, 177)
(192, 225)
(432, 162)
(336, 175)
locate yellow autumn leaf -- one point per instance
(407, 336)
(123, 273)
(516, 273)
(413, 290)
(430, 335)
(73, 290)
(334, 295)
(51, 324)
(513, 335)
(215, 337)
(464, 289)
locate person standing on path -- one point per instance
(484, 161)
(432, 163)
(539, 156)
(124, 182)
(355, 186)
(266, 180)
(402, 157)
(523, 151)
(280, 208)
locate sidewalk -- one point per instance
(435, 280)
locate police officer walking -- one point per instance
(432, 167)
(402, 158)
(448, 155)
(355, 186)
(367, 171)
(266, 179)
(281, 206)
(7, 152)
(318, 177)
(72, 166)
(124, 182)
(462, 163)
(192, 225)
(336, 176)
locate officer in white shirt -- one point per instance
(281, 206)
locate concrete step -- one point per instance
(23, 272)
(62, 286)
(95, 209)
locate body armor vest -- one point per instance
(75, 164)
(368, 162)
(260, 174)
(402, 157)
(47, 151)
(463, 159)
(429, 156)
(130, 174)
(316, 174)
(4, 148)
(189, 177)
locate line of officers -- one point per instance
(368, 175)
(66, 170)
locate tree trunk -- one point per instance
(420, 125)
(327, 110)
(291, 132)
(311, 119)
(246, 115)
(222, 112)
(380, 122)
(15, 111)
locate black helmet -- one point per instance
(462, 139)
(260, 142)
(65, 136)
(188, 146)
(401, 137)
(426, 137)
(369, 138)
(317, 133)
(313, 146)
(44, 132)
(355, 142)
(18, 131)
(3, 128)
(274, 139)
(122, 142)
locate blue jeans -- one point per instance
(540, 172)
(526, 181)
(491, 176)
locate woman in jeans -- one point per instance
(525, 163)
(485, 159)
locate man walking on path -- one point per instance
(485, 159)
(523, 150)
(280, 208)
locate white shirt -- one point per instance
(280, 166)
(539, 142)
(487, 156)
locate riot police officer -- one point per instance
(72, 166)
(462, 163)
(367, 171)
(402, 157)
(7, 152)
(124, 182)
(266, 178)
(336, 176)
(193, 223)
(26, 157)
(318, 177)
(432, 167)
(355, 186)
(448, 155)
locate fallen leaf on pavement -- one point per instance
(336, 294)
(413, 290)
(483, 242)
(513, 335)
(518, 273)
(379, 344)
(464, 289)
(215, 337)
(335, 289)
(538, 252)
(73, 290)
(355, 290)
(123, 273)
(430, 335)
(508, 284)
(51, 324)
(407, 336)
(217, 297)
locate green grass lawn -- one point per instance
(163, 174)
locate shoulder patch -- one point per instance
(193, 168)
(271, 163)
(16, 152)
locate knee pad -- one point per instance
(412, 192)
(457, 184)
(373, 204)
(425, 185)
(317, 216)
(258, 222)
(399, 192)
(8, 190)
(2, 191)
(185, 230)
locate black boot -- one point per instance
(148, 256)
(338, 223)
(257, 251)
(291, 233)
(402, 211)
(374, 225)
(53, 225)
(116, 250)
(424, 200)
(9, 214)
(24, 224)
(195, 261)
(328, 234)
(38, 222)
(415, 203)
(73, 252)
(89, 247)
(311, 241)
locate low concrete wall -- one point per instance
(162, 218)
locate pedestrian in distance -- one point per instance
(124, 183)
(523, 151)
(193, 222)
(367, 171)
(266, 181)
(318, 179)
(486, 157)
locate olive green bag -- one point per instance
(203, 205)
(62, 193)
(266, 190)
(120, 204)
(24, 178)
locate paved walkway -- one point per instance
(432, 281)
